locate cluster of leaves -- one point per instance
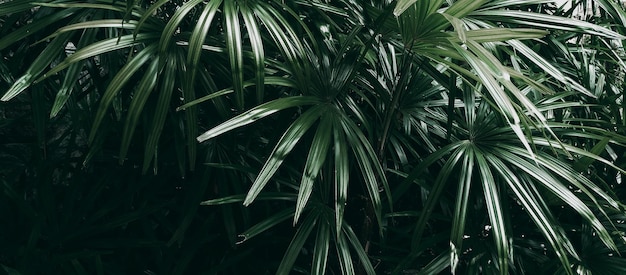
(250, 137)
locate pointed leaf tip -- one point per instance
(401, 6)
(18, 87)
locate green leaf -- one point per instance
(284, 146)
(34, 27)
(540, 215)
(79, 5)
(435, 193)
(72, 74)
(343, 253)
(546, 66)
(546, 21)
(272, 196)
(496, 216)
(315, 159)
(256, 41)
(285, 38)
(369, 166)
(142, 92)
(98, 48)
(322, 244)
(119, 81)
(43, 60)
(271, 80)
(94, 24)
(295, 247)
(9, 7)
(341, 175)
(196, 41)
(266, 224)
(256, 113)
(460, 209)
(167, 34)
(583, 163)
(437, 265)
(366, 264)
(149, 15)
(488, 68)
(191, 127)
(402, 5)
(234, 46)
(5, 73)
(462, 8)
(162, 108)
(501, 34)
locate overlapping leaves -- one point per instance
(475, 109)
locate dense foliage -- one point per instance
(339, 137)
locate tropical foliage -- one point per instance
(339, 137)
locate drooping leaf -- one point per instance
(256, 113)
(119, 81)
(284, 146)
(315, 159)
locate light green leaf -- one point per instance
(462, 8)
(501, 34)
(402, 5)
(545, 21)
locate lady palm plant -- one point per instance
(384, 137)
